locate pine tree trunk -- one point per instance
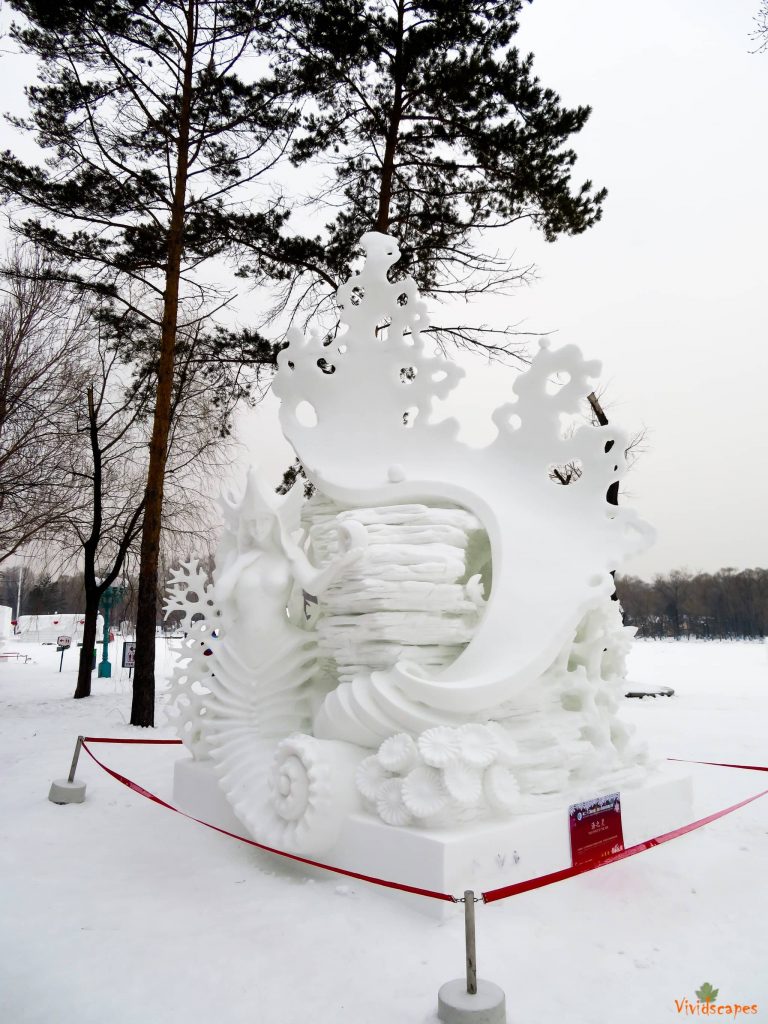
(393, 129)
(143, 704)
(84, 670)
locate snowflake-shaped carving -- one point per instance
(188, 686)
(189, 593)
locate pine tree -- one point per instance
(154, 144)
(436, 129)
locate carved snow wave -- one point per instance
(373, 442)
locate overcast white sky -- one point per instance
(669, 290)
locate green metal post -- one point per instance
(112, 596)
(105, 669)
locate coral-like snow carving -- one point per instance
(191, 594)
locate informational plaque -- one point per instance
(596, 832)
(129, 653)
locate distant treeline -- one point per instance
(722, 605)
(725, 604)
(41, 594)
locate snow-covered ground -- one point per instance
(117, 911)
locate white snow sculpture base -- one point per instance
(196, 791)
(481, 856)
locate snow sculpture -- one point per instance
(430, 639)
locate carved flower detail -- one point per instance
(398, 753)
(423, 791)
(439, 746)
(390, 805)
(464, 783)
(477, 745)
(501, 789)
(370, 777)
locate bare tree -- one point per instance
(110, 470)
(109, 464)
(759, 35)
(42, 340)
(571, 471)
(159, 139)
(722, 605)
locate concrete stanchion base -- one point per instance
(456, 1006)
(65, 792)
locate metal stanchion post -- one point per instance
(469, 1000)
(75, 758)
(469, 935)
(67, 791)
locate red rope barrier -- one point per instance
(118, 739)
(722, 764)
(488, 897)
(559, 876)
(250, 842)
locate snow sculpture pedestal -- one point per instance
(196, 790)
(481, 856)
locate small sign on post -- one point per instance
(129, 655)
(596, 831)
(63, 643)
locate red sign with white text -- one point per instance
(596, 831)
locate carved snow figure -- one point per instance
(255, 686)
(464, 659)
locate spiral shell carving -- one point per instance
(312, 788)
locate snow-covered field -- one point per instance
(117, 911)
